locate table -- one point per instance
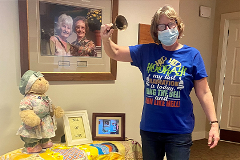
(98, 150)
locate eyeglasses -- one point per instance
(162, 27)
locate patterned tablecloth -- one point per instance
(98, 150)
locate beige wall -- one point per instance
(9, 77)
(199, 34)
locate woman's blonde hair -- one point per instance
(171, 14)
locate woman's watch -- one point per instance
(211, 122)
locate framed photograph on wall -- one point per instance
(53, 42)
(108, 126)
(76, 127)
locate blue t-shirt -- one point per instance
(168, 80)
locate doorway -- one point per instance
(227, 87)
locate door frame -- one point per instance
(221, 61)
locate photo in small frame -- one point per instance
(108, 126)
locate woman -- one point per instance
(170, 70)
(82, 46)
(58, 43)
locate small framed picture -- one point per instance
(108, 126)
(76, 127)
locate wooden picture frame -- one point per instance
(144, 35)
(108, 126)
(76, 127)
(26, 46)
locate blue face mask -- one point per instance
(168, 37)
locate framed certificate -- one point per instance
(76, 128)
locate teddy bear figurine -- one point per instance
(37, 113)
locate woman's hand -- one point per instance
(106, 31)
(213, 135)
(114, 51)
